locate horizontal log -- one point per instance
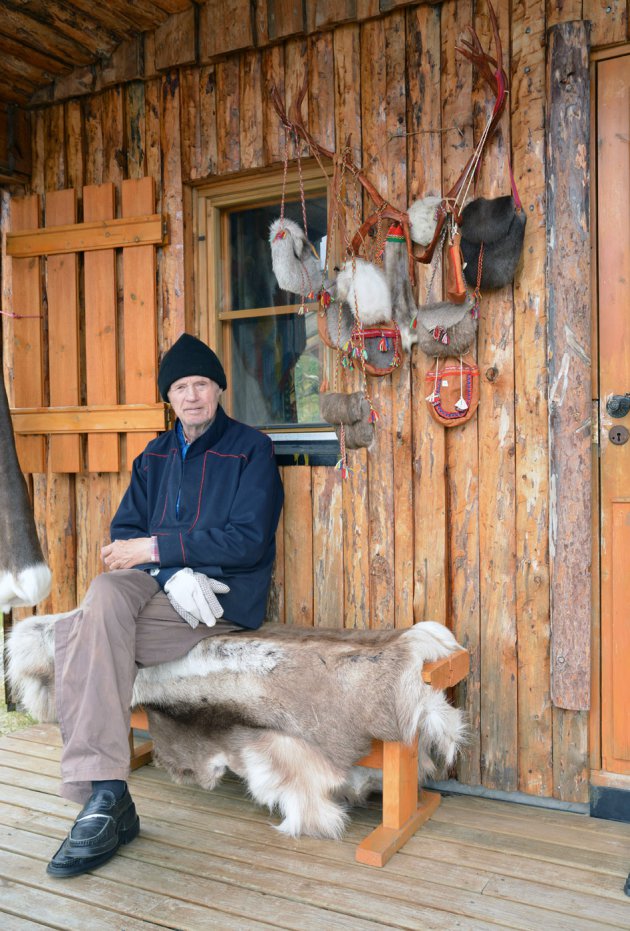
(444, 673)
(88, 237)
(116, 418)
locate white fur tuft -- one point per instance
(290, 774)
(369, 284)
(28, 587)
(294, 262)
(31, 668)
(423, 219)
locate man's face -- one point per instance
(194, 400)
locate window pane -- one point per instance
(252, 281)
(275, 370)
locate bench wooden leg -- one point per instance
(142, 754)
(404, 810)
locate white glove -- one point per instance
(192, 594)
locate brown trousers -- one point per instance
(126, 621)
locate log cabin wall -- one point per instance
(446, 525)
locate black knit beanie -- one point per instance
(189, 356)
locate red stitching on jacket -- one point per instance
(181, 540)
(211, 452)
(173, 451)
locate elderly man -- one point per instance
(193, 545)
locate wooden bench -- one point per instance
(404, 807)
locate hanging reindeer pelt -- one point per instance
(24, 576)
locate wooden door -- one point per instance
(613, 238)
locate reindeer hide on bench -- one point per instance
(290, 710)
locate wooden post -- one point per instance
(569, 348)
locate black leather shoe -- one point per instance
(626, 888)
(99, 830)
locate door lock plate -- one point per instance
(619, 435)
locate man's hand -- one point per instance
(192, 594)
(125, 554)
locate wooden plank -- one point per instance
(457, 452)
(609, 21)
(444, 673)
(190, 123)
(224, 28)
(75, 159)
(563, 11)
(321, 89)
(135, 129)
(298, 546)
(175, 41)
(208, 121)
(228, 109)
(87, 237)
(91, 418)
(172, 266)
(375, 77)
(497, 492)
(101, 349)
(568, 272)
(275, 601)
(272, 60)
(25, 336)
(62, 288)
(323, 14)
(286, 18)
(114, 151)
(530, 393)
(124, 64)
(251, 111)
(328, 557)
(93, 128)
(54, 158)
(428, 437)
(139, 313)
(153, 148)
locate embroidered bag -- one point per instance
(453, 390)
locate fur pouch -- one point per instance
(496, 225)
(364, 288)
(453, 390)
(294, 260)
(351, 410)
(446, 329)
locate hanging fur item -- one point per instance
(453, 390)
(493, 229)
(446, 329)
(395, 263)
(354, 412)
(364, 288)
(294, 259)
(423, 217)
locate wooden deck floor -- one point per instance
(212, 860)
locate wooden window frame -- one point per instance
(210, 201)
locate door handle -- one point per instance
(618, 405)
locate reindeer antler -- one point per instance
(294, 124)
(493, 73)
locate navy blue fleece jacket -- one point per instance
(230, 497)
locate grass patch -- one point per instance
(10, 720)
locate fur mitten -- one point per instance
(368, 285)
(396, 267)
(295, 263)
(351, 410)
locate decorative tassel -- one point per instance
(383, 345)
(281, 234)
(310, 296)
(414, 323)
(373, 415)
(325, 298)
(301, 310)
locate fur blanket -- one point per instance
(290, 710)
